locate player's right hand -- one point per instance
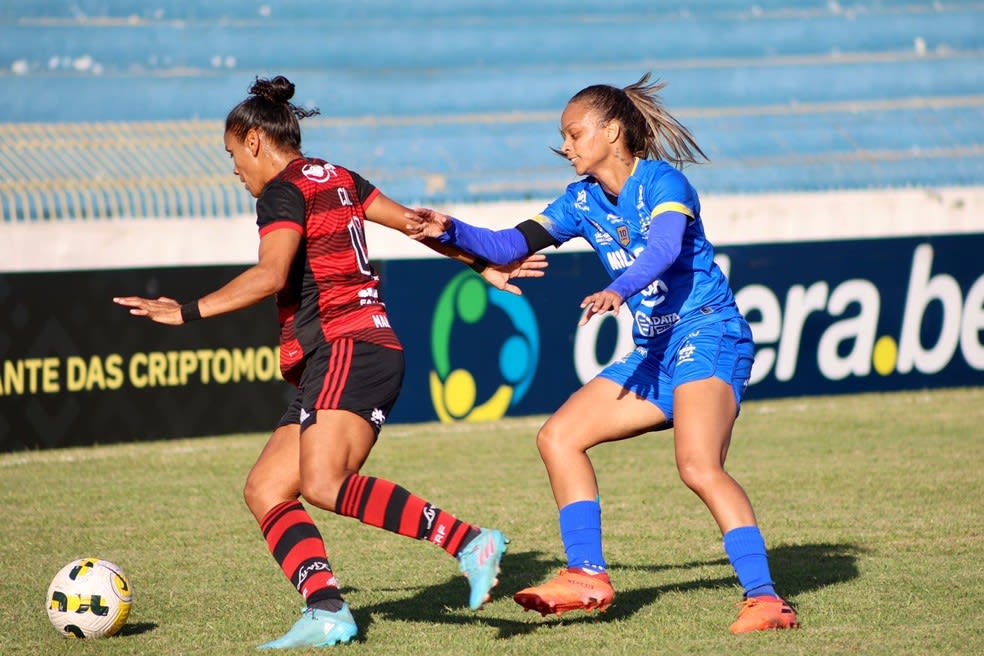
(423, 222)
(159, 310)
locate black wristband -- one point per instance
(190, 312)
(479, 265)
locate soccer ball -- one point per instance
(89, 598)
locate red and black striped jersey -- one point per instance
(332, 291)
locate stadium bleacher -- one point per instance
(114, 109)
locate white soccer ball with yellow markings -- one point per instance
(89, 598)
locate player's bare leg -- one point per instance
(563, 442)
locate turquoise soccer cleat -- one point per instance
(479, 561)
(317, 628)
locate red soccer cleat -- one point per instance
(571, 589)
(764, 613)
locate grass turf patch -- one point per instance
(870, 506)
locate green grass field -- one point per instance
(870, 505)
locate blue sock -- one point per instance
(746, 551)
(580, 529)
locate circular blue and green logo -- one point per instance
(467, 301)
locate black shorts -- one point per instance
(359, 377)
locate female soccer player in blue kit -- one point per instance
(693, 353)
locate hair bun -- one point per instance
(278, 90)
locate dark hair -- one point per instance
(649, 129)
(269, 109)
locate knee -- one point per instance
(260, 496)
(699, 477)
(321, 491)
(549, 440)
(249, 492)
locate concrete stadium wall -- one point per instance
(730, 219)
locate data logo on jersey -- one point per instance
(473, 322)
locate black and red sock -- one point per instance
(383, 504)
(298, 548)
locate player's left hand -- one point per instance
(531, 266)
(160, 310)
(599, 303)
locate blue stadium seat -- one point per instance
(113, 108)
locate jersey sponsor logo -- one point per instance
(581, 202)
(603, 239)
(686, 352)
(615, 219)
(601, 236)
(369, 296)
(654, 294)
(645, 216)
(429, 514)
(655, 325)
(309, 569)
(380, 321)
(318, 172)
(618, 260)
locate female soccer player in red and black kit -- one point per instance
(338, 349)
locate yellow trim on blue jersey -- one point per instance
(635, 165)
(672, 207)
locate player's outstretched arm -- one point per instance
(265, 278)
(391, 214)
(425, 223)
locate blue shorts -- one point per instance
(723, 349)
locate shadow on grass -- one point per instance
(136, 628)
(804, 568)
(798, 568)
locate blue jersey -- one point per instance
(692, 292)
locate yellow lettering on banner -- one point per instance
(242, 365)
(74, 373)
(156, 369)
(32, 365)
(30, 376)
(205, 357)
(137, 370)
(172, 368)
(188, 364)
(151, 369)
(13, 377)
(222, 366)
(49, 376)
(96, 373)
(114, 371)
(267, 363)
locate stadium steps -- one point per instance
(113, 109)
